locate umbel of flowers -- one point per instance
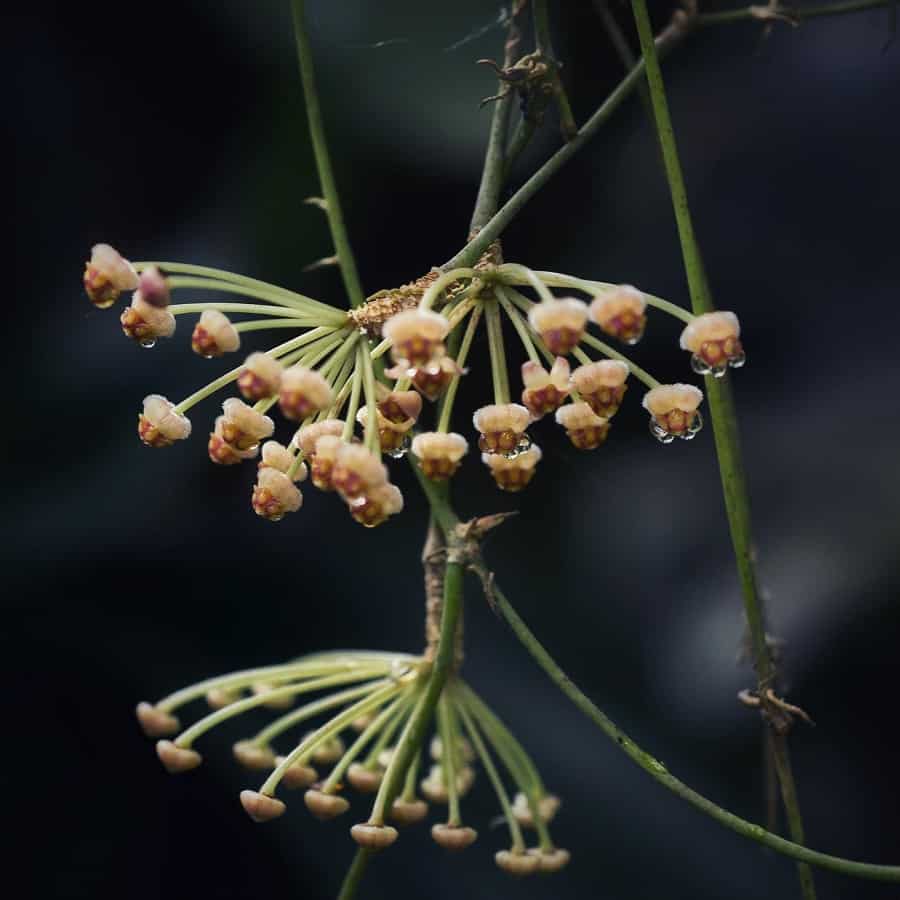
(352, 711)
(349, 413)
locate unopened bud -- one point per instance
(303, 392)
(297, 775)
(145, 323)
(373, 837)
(156, 723)
(261, 377)
(177, 759)
(547, 805)
(214, 335)
(329, 751)
(261, 807)
(408, 812)
(242, 426)
(106, 275)
(551, 860)
(159, 425)
(252, 756)
(517, 862)
(454, 837)
(324, 806)
(364, 779)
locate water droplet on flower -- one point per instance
(699, 365)
(402, 450)
(147, 343)
(275, 518)
(695, 426)
(737, 361)
(660, 433)
(357, 502)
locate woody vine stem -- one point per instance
(462, 542)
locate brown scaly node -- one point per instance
(774, 709)
(386, 303)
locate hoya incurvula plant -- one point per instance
(362, 384)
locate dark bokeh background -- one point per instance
(177, 131)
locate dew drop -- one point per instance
(699, 365)
(737, 361)
(357, 502)
(660, 433)
(275, 518)
(402, 450)
(147, 343)
(695, 426)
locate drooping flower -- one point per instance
(275, 495)
(584, 428)
(323, 459)
(357, 470)
(621, 313)
(148, 319)
(159, 425)
(713, 340)
(242, 426)
(545, 391)
(261, 377)
(439, 453)
(560, 323)
(222, 452)
(214, 335)
(602, 385)
(303, 392)
(502, 427)
(673, 411)
(431, 379)
(277, 456)
(395, 415)
(515, 472)
(107, 275)
(417, 336)
(376, 505)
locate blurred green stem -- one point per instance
(355, 873)
(323, 160)
(725, 428)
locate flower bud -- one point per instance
(219, 698)
(584, 428)
(515, 862)
(547, 805)
(159, 425)
(297, 775)
(277, 702)
(376, 505)
(602, 385)
(620, 313)
(274, 495)
(373, 837)
(214, 335)
(177, 759)
(431, 379)
(155, 722)
(242, 426)
(551, 860)
(714, 342)
(673, 411)
(329, 751)
(357, 470)
(106, 275)
(324, 806)
(145, 323)
(400, 407)
(544, 391)
(261, 807)
(453, 837)
(417, 336)
(253, 757)
(261, 377)
(408, 812)
(303, 392)
(463, 747)
(434, 786)
(221, 452)
(277, 456)
(515, 472)
(154, 288)
(391, 435)
(439, 454)
(324, 459)
(364, 779)
(560, 323)
(502, 427)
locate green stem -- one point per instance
(789, 13)
(323, 161)
(544, 46)
(450, 395)
(499, 373)
(723, 416)
(494, 169)
(414, 733)
(355, 873)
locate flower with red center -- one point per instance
(277, 456)
(376, 505)
(439, 453)
(431, 379)
(396, 415)
(620, 313)
(502, 427)
(601, 385)
(106, 275)
(713, 340)
(303, 392)
(214, 335)
(275, 495)
(417, 336)
(323, 459)
(584, 428)
(221, 452)
(545, 391)
(357, 471)
(560, 323)
(159, 425)
(307, 436)
(513, 473)
(148, 319)
(261, 377)
(242, 426)
(673, 411)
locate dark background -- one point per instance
(177, 130)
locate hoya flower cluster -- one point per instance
(348, 736)
(349, 413)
